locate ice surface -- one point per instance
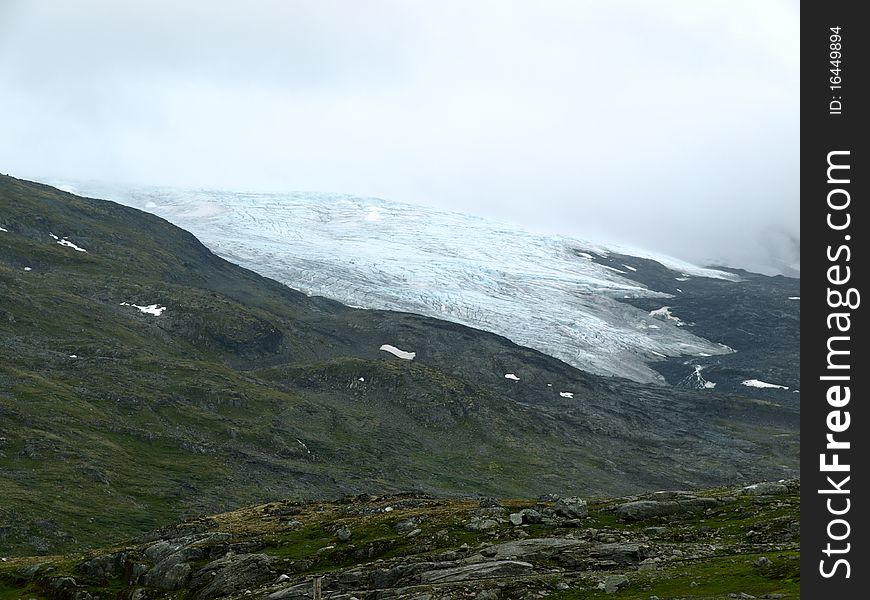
(69, 244)
(665, 311)
(66, 242)
(151, 309)
(511, 376)
(396, 352)
(544, 292)
(761, 384)
(566, 394)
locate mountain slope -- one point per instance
(114, 419)
(538, 291)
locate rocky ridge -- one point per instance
(723, 543)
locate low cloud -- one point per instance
(672, 125)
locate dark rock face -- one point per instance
(759, 317)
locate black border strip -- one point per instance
(834, 224)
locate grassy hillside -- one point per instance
(114, 421)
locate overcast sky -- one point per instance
(671, 125)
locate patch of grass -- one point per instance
(707, 579)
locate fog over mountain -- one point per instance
(671, 126)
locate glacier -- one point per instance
(545, 292)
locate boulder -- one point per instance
(481, 524)
(527, 516)
(646, 509)
(614, 583)
(765, 488)
(572, 508)
(620, 553)
(107, 566)
(640, 510)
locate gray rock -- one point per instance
(63, 583)
(533, 548)
(481, 525)
(527, 516)
(531, 516)
(137, 594)
(489, 503)
(107, 566)
(572, 508)
(765, 488)
(137, 571)
(614, 583)
(168, 575)
(299, 591)
(160, 550)
(172, 571)
(640, 510)
(403, 527)
(343, 534)
(499, 568)
(698, 504)
(646, 509)
(163, 548)
(233, 574)
(620, 553)
(490, 594)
